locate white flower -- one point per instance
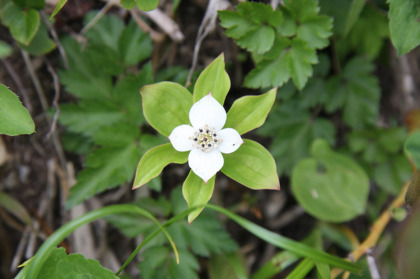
(206, 139)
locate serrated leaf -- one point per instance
(166, 105)
(404, 25)
(14, 118)
(293, 130)
(250, 112)
(154, 160)
(59, 265)
(231, 265)
(119, 134)
(250, 25)
(105, 58)
(253, 166)
(158, 263)
(357, 92)
(88, 116)
(366, 41)
(197, 193)
(213, 79)
(330, 186)
(106, 31)
(412, 147)
(294, 61)
(24, 25)
(147, 5)
(353, 14)
(105, 168)
(134, 45)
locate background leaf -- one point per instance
(330, 186)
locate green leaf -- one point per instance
(118, 135)
(252, 25)
(41, 44)
(301, 270)
(197, 193)
(392, 174)
(15, 207)
(228, 266)
(154, 160)
(294, 60)
(35, 4)
(59, 265)
(88, 116)
(166, 105)
(293, 130)
(404, 25)
(24, 25)
(253, 166)
(250, 112)
(128, 4)
(14, 118)
(105, 168)
(105, 58)
(58, 7)
(295, 247)
(147, 5)
(5, 50)
(353, 15)
(357, 92)
(275, 265)
(330, 186)
(84, 79)
(412, 147)
(131, 41)
(213, 79)
(362, 40)
(323, 271)
(158, 263)
(106, 31)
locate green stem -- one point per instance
(58, 236)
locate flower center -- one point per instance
(205, 139)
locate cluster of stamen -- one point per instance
(205, 139)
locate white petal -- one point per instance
(208, 111)
(205, 164)
(180, 138)
(231, 140)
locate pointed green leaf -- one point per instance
(412, 147)
(323, 270)
(131, 40)
(154, 160)
(25, 25)
(253, 166)
(147, 5)
(15, 207)
(213, 79)
(404, 24)
(330, 186)
(196, 193)
(14, 118)
(250, 112)
(166, 105)
(353, 15)
(58, 7)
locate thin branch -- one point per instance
(18, 82)
(207, 25)
(55, 39)
(97, 17)
(56, 98)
